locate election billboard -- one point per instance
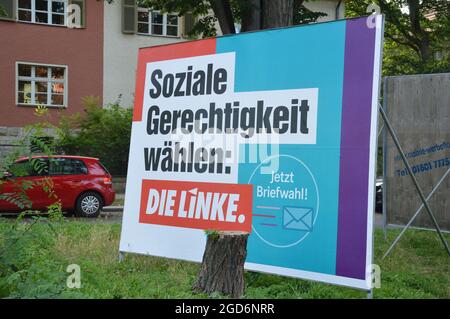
(271, 133)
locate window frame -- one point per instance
(150, 23)
(49, 12)
(33, 79)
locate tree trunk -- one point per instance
(277, 13)
(250, 15)
(223, 264)
(424, 48)
(224, 257)
(223, 13)
(421, 35)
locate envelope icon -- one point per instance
(298, 218)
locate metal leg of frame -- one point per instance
(121, 256)
(415, 215)
(384, 188)
(384, 212)
(370, 294)
(380, 131)
(413, 177)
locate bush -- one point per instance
(99, 132)
(26, 268)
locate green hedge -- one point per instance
(102, 132)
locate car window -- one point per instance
(67, 166)
(33, 167)
(104, 168)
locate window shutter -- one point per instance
(82, 5)
(129, 9)
(188, 24)
(8, 9)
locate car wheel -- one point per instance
(89, 205)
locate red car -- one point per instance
(81, 184)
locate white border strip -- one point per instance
(373, 147)
(314, 276)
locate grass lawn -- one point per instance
(34, 263)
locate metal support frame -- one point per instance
(383, 189)
(413, 177)
(121, 256)
(383, 199)
(415, 215)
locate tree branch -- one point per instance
(393, 19)
(406, 43)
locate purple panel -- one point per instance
(355, 137)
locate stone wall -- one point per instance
(9, 136)
(119, 183)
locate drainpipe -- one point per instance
(337, 10)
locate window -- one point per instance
(67, 166)
(156, 23)
(136, 18)
(41, 84)
(42, 11)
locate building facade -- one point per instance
(121, 45)
(126, 29)
(43, 61)
(56, 52)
